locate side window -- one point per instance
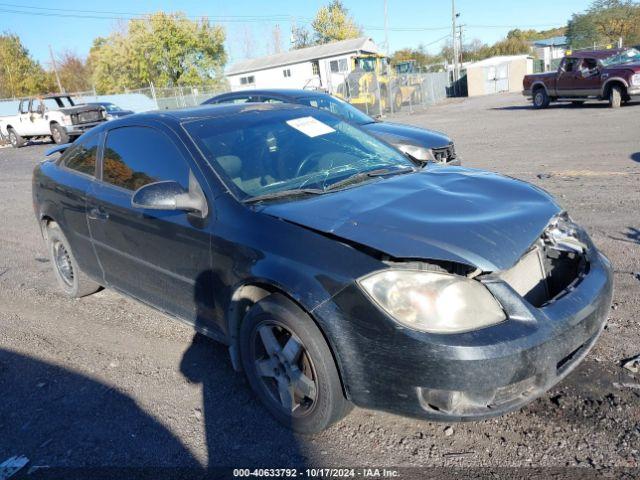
(271, 100)
(24, 106)
(240, 99)
(82, 156)
(136, 156)
(570, 64)
(36, 106)
(247, 80)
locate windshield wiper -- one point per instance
(294, 192)
(362, 176)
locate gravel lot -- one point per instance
(106, 381)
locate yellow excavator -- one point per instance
(373, 86)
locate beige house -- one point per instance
(498, 74)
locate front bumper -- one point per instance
(472, 375)
(634, 91)
(80, 128)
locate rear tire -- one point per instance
(615, 96)
(540, 98)
(290, 366)
(73, 282)
(59, 134)
(15, 139)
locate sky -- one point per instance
(251, 22)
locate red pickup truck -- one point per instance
(612, 75)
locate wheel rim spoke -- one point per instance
(303, 384)
(269, 340)
(292, 350)
(286, 395)
(266, 367)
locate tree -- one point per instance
(19, 73)
(605, 22)
(166, 49)
(301, 37)
(331, 23)
(73, 72)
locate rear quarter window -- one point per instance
(81, 157)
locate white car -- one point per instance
(52, 115)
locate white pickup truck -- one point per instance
(52, 115)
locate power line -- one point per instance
(114, 15)
(117, 16)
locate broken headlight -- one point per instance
(419, 153)
(433, 302)
(565, 235)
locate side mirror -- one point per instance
(170, 195)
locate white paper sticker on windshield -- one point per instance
(310, 126)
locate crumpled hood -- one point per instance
(395, 133)
(442, 213)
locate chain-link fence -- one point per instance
(378, 95)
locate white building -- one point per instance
(498, 74)
(319, 67)
(550, 49)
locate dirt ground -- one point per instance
(106, 381)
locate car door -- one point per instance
(568, 81)
(160, 257)
(588, 77)
(23, 117)
(38, 125)
(74, 173)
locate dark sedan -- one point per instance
(423, 145)
(336, 270)
(112, 110)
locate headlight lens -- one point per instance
(635, 79)
(419, 153)
(433, 302)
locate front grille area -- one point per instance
(86, 117)
(445, 154)
(545, 273)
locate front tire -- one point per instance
(15, 139)
(59, 134)
(73, 281)
(540, 99)
(290, 367)
(615, 97)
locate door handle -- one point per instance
(96, 213)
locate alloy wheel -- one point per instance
(284, 368)
(63, 264)
(539, 100)
(56, 135)
(13, 139)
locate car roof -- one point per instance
(281, 92)
(201, 112)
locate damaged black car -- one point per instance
(336, 270)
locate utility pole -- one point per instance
(454, 44)
(55, 69)
(386, 29)
(460, 27)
